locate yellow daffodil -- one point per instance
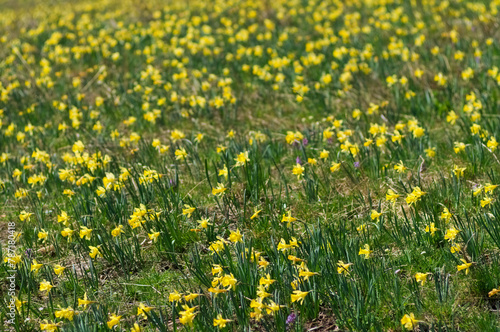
(220, 322)
(113, 320)
(343, 268)
(421, 277)
(431, 229)
(365, 251)
(409, 321)
(298, 296)
(375, 215)
(465, 266)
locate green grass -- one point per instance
(307, 109)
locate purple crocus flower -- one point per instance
(28, 252)
(305, 142)
(298, 161)
(291, 319)
(356, 164)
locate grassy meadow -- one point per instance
(253, 165)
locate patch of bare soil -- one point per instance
(325, 322)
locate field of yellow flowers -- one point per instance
(253, 165)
